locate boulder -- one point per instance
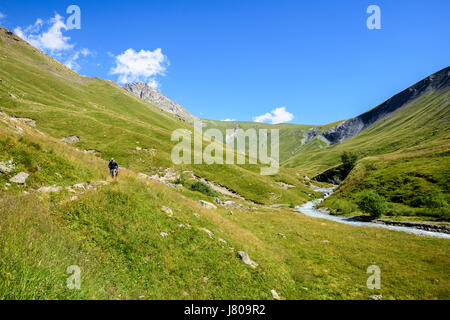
(164, 234)
(167, 210)
(71, 139)
(20, 178)
(376, 297)
(210, 233)
(275, 295)
(6, 167)
(246, 259)
(207, 205)
(49, 189)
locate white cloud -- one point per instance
(48, 36)
(228, 119)
(51, 40)
(2, 15)
(145, 65)
(71, 61)
(278, 115)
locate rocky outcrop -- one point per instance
(207, 205)
(350, 128)
(147, 93)
(20, 178)
(246, 259)
(71, 139)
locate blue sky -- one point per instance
(243, 59)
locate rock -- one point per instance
(246, 259)
(49, 189)
(70, 189)
(325, 241)
(167, 210)
(181, 225)
(376, 297)
(218, 201)
(275, 295)
(138, 148)
(207, 205)
(210, 233)
(58, 175)
(147, 93)
(221, 240)
(196, 215)
(20, 178)
(282, 235)
(12, 96)
(6, 167)
(164, 234)
(230, 212)
(73, 198)
(79, 186)
(71, 139)
(30, 122)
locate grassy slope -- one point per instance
(290, 135)
(112, 121)
(113, 234)
(404, 158)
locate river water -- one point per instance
(309, 209)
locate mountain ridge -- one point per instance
(153, 96)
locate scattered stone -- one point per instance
(221, 240)
(210, 233)
(12, 96)
(164, 234)
(30, 122)
(25, 192)
(138, 148)
(49, 189)
(275, 295)
(218, 201)
(20, 178)
(207, 205)
(73, 198)
(376, 297)
(79, 186)
(196, 215)
(58, 175)
(71, 139)
(282, 235)
(230, 212)
(167, 210)
(246, 259)
(325, 241)
(181, 225)
(7, 167)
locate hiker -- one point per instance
(113, 168)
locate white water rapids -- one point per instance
(309, 209)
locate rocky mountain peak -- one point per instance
(147, 93)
